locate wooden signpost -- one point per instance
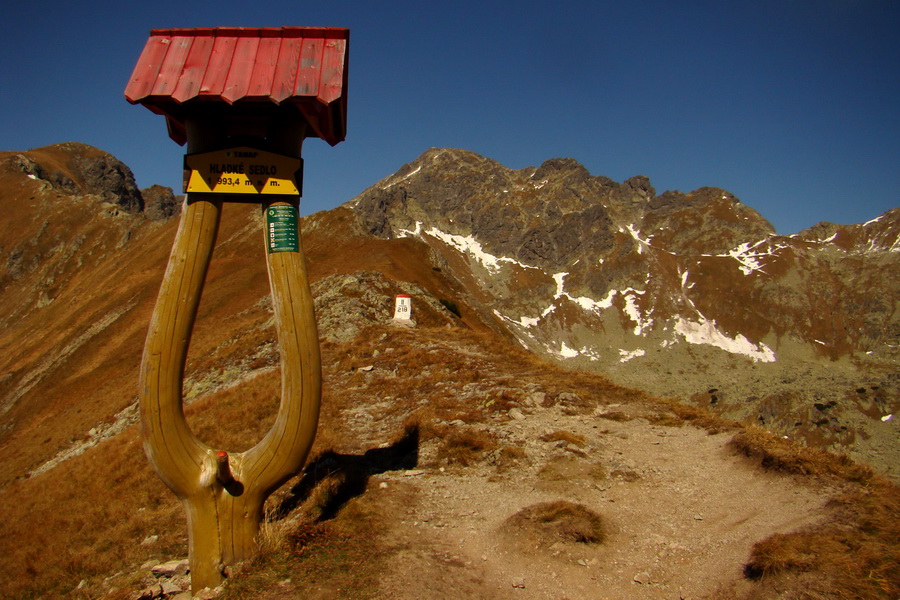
(243, 100)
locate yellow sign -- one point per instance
(242, 171)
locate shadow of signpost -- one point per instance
(347, 475)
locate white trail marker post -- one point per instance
(402, 308)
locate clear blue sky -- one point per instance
(792, 105)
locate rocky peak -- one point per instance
(106, 176)
(160, 202)
(871, 237)
(640, 186)
(75, 168)
(542, 216)
(551, 215)
(709, 220)
(561, 167)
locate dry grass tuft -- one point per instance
(466, 446)
(548, 523)
(695, 415)
(784, 552)
(565, 436)
(343, 557)
(855, 553)
(273, 535)
(510, 457)
(783, 455)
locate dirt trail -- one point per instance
(681, 510)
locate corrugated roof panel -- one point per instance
(194, 67)
(172, 67)
(310, 68)
(242, 63)
(299, 66)
(332, 70)
(217, 70)
(263, 75)
(286, 67)
(147, 68)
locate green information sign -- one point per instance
(281, 228)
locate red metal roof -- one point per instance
(305, 67)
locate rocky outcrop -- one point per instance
(73, 168)
(35, 170)
(347, 304)
(160, 202)
(549, 216)
(106, 176)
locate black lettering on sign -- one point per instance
(226, 168)
(269, 170)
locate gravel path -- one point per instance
(681, 510)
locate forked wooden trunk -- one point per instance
(223, 494)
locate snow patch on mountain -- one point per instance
(629, 295)
(876, 245)
(466, 245)
(750, 255)
(584, 352)
(875, 220)
(390, 184)
(523, 322)
(586, 303)
(705, 331)
(635, 234)
(634, 312)
(627, 355)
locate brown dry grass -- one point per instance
(565, 436)
(95, 539)
(675, 413)
(779, 454)
(855, 553)
(425, 374)
(511, 457)
(548, 523)
(339, 558)
(465, 447)
(86, 519)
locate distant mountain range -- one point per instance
(691, 295)
(688, 295)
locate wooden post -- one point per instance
(222, 493)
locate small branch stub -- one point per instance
(225, 477)
(223, 470)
